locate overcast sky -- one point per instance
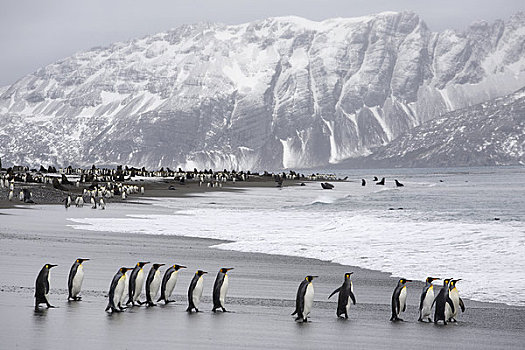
(34, 33)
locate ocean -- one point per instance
(463, 223)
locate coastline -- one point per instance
(262, 293)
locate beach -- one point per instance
(261, 296)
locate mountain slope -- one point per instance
(282, 92)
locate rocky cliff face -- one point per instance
(282, 92)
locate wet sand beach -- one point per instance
(261, 296)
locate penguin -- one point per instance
(382, 182)
(67, 201)
(168, 283)
(456, 300)
(363, 182)
(142, 190)
(399, 298)
(398, 184)
(116, 290)
(346, 292)
(305, 299)
(195, 291)
(427, 299)
(21, 195)
(136, 281)
(76, 277)
(42, 286)
(79, 202)
(11, 194)
(153, 284)
(444, 305)
(102, 204)
(220, 288)
(93, 203)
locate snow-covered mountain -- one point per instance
(490, 133)
(281, 92)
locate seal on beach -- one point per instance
(76, 277)
(153, 284)
(456, 300)
(195, 291)
(305, 299)
(168, 283)
(327, 186)
(399, 298)
(42, 286)
(382, 182)
(346, 293)
(427, 298)
(398, 184)
(136, 281)
(116, 290)
(444, 305)
(220, 288)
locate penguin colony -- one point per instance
(125, 291)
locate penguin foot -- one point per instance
(141, 302)
(224, 310)
(429, 320)
(49, 306)
(151, 304)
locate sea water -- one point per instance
(463, 223)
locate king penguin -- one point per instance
(195, 291)
(168, 283)
(153, 284)
(427, 298)
(456, 300)
(399, 298)
(42, 286)
(305, 299)
(76, 277)
(444, 305)
(136, 281)
(220, 288)
(346, 292)
(116, 290)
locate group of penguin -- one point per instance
(126, 290)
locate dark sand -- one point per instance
(261, 296)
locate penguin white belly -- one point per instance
(46, 294)
(197, 292)
(170, 284)
(119, 290)
(454, 296)
(125, 292)
(77, 281)
(402, 299)
(308, 300)
(349, 300)
(224, 290)
(448, 311)
(427, 303)
(155, 284)
(139, 282)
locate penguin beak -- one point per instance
(51, 265)
(161, 265)
(229, 268)
(408, 281)
(203, 272)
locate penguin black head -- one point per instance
(453, 283)
(348, 274)
(200, 272)
(446, 281)
(81, 260)
(310, 278)
(430, 279)
(156, 266)
(226, 269)
(125, 269)
(49, 266)
(178, 267)
(404, 280)
(142, 263)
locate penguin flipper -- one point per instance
(462, 305)
(352, 296)
(335, 291)
(294, 313)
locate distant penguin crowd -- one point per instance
(126, 290)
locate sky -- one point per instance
(34, 33)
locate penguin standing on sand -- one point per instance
(456, 300)
(68, 201)
(195, 291)
(102, 204)
(76, 277)
(427, 299)
(93, 203)
(399, 298)
(305, 299)
(220, 288)
(136, 281)
(10, 196)
(346, 292)
(168, 283)
(116, 290)
(79, 201)
(444, 305)
(42, 286)
(153, 284)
